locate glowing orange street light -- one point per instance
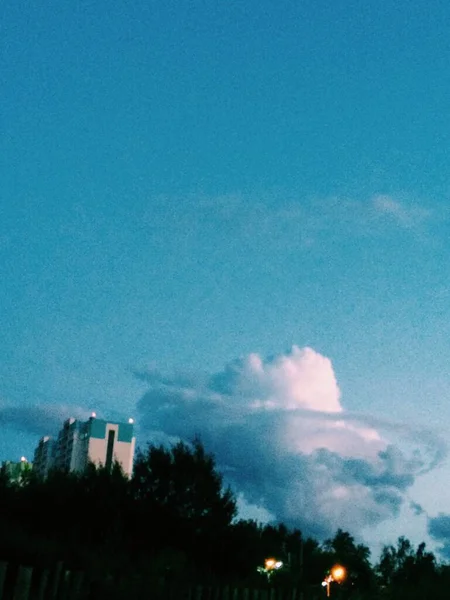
(338, 574)
(270, 565)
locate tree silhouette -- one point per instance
(404, 570)
(180, 501)
(175, 518)
(354, 557)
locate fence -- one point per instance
(28, 583)
(18, 582)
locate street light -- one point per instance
(270, 565)
(337, 573)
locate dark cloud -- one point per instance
(39, 420)
(155, 377)
(439, 530)
(389, 475)
(417, 508)
(388, 497)
(282, 439)
(431, 449)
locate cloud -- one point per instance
(406, 216)
(40, 419)
(429, 448)
(281, 219)
(302, 379)
(417, 508)
(439, 530)
(284, 441)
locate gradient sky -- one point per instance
(184, 183)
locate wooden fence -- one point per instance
(28, 583)
(18, 582)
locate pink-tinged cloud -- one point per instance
(301, 379)
(283, 440)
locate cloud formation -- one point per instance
(283, 440)
(439, 530)
(40, 419)
(282, 218)
(404, 215)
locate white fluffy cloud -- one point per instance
(283, 440)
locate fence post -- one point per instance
(3, 567)
(76, 586)
(43, 583)
(54, 586)
(23, 583)
(216, 593)
(198, 592)
(65, 585)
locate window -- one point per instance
(109, 449)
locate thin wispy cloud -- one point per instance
(283, 218)
(404, 215)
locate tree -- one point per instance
(354, 557)
(403, 569)
(180, 500)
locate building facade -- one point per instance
(44, 456)
(79, 443)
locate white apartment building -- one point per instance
(43, 456)
(80, 443)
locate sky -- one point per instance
(231, 219)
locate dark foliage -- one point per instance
(175, 520)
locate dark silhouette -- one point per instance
(174, 522)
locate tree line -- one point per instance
(175, 520)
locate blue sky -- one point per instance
(188, 183)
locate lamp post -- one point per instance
(270, 565)
(338, 574)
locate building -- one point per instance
(15, 471)
(79, 443)
(106, 443)
(44, 456)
